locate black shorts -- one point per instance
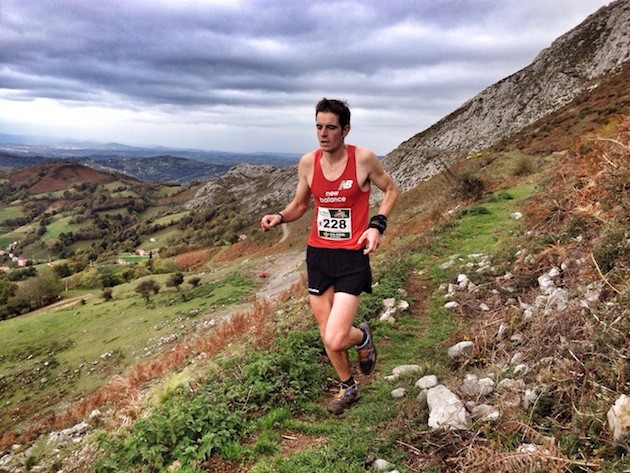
(346, 270)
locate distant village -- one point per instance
(9, 260)
(13, 260)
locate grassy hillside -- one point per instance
(247, 393)
(197, 374)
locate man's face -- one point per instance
(329, 132)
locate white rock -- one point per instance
(461, 348)
(403, 306)
(511, 384)
(619, 418)
(388, 315)
(558, 300)
(447, 264)
(422, 395)
(521, 369)
(516, 215)
(527, 448)
(546, 284)
(486, 386)
(470, 385)
(451, 305)
(406, 369)
(484, 307)
(427, 382)
(473, 386)
(529, 398)
(555, 273)
(463, 281)
(593, 293)
(446, 410)
(486, 413)
(398, 393)
(382, 465)
(389, 303)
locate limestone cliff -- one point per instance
(573, 64)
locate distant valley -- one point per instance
(153, 164)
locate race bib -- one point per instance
(334, 224)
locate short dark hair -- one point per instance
(338, 107)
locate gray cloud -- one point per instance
(233, 61)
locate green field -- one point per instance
(11, 212)
(61, 225)
(50, 355)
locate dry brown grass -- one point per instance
(255, 327)
(576, 356)
(194, 260)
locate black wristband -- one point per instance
(281, 217)
(379, 222)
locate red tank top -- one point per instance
(341, 207)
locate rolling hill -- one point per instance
(509, 250)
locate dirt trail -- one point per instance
(284, 270)
(62, 304)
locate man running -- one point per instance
(339, 177)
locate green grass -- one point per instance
(171, 219)
(124, 192)
(169, 191)
(163, 238)
(61, 225)
(133, 258)
(75, 338)
(10, 212)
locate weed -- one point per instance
(524, 166)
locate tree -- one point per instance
(194, 281)
(146, 287)
(40, 290)
(175, 280)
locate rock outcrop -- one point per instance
(576, 62)
(258, 188)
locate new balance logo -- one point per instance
(345, 184)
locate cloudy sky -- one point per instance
(244, 75)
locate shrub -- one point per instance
(146, 287)
(107, 293)
(523, 166)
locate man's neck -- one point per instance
(336, 155)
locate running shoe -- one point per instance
(347, 396)
(367, 351)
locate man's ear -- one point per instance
(346, 130)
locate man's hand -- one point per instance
(372, 239)
(269, 221)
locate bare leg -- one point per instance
(335, 314)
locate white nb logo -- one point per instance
(345, 184)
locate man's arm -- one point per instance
(299, 205)
(379, 177)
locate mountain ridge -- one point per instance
(572, 66)
(574, 63)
